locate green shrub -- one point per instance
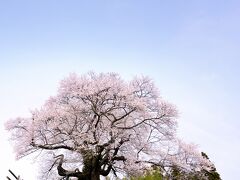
(150, 175)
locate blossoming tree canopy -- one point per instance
(99, 124)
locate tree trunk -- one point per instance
(91, 165)
(91, 169)
(95, 176)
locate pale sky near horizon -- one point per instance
(189, 48)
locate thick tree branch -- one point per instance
(66, 173)
(52, 147)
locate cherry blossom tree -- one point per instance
(99, 124)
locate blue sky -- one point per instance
(189, 48)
